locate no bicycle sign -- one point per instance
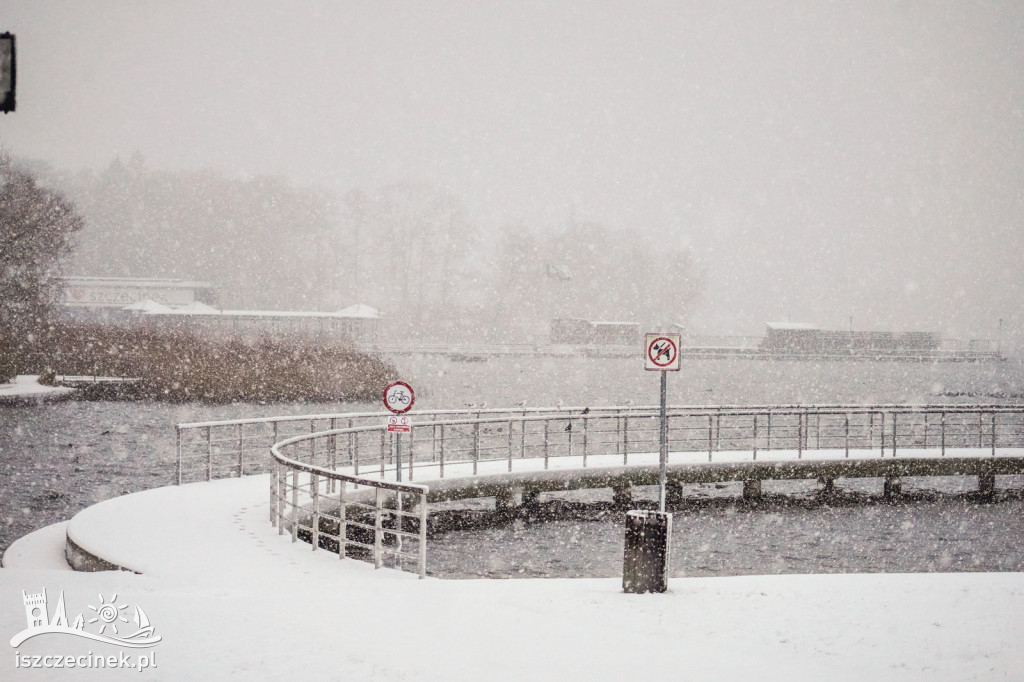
(661, 352)
(399, 397)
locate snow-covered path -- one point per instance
(233, 599)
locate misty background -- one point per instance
(492, 165)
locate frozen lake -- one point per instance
(58, 459)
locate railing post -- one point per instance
(510, 445)
(942, 432)
(209, 453)
(274, 473)
(378, 529)
(711, 441)
(570, 436)
(881, 435)
(295, 505)
(423, 536)
(586, 426)
(625, 440)
(412, 449)
(799, 435)
(177, 430)
(334, 454)
(981, 430)
(353, 448)
(476, 445)
(314, 480)
(442, 452)
(282, 482)
(847, 435)
(312, 442)
(342, 521)
(894, 433)
(241, 468)
(522, 436)
(993, 434)
(546, 441)
(755, 436)
(769, 429)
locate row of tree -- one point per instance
(410, 250)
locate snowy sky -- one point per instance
(823, 159)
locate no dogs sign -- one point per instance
(661, 352)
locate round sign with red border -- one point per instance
(399, 397)
(662, 352)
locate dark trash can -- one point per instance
(645, 564)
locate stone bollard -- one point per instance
(751, 491)
(622, 495)
(645, 564)
(892, 488)
(828, 486)
(505, 499)
(987, 485)
(673, 493)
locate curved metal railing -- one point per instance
(319, 502)
(208, 450)
(336, 479)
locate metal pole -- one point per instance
(398, 456)
(663, 440)
(755, 436)
(993, 434)
(177, 430)
(209, 454)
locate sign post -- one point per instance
(647, 549)
(661, 354)
(399, 398)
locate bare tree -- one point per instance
(36, 230)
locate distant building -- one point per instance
(575, 331)
(99, 298)
(189, 305)
(356, 324)
(788, 337)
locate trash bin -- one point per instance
(645, 564)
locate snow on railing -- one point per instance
(335, 479)
(325, 508)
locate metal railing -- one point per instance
(335, 482)
(316, 502)
(359, 441)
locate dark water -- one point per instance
(789, 533)
(58, 459)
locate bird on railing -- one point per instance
(569, 427)
(586, 410)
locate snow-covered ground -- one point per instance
(233, 599)
(26, 387)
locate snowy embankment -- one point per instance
(25, 388)
(230, 597)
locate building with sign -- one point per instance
(186, 305)
(104, 298)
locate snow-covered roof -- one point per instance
(208, 311)
(360, 310)
(793, 326)
(197, 307)
(147, 306)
